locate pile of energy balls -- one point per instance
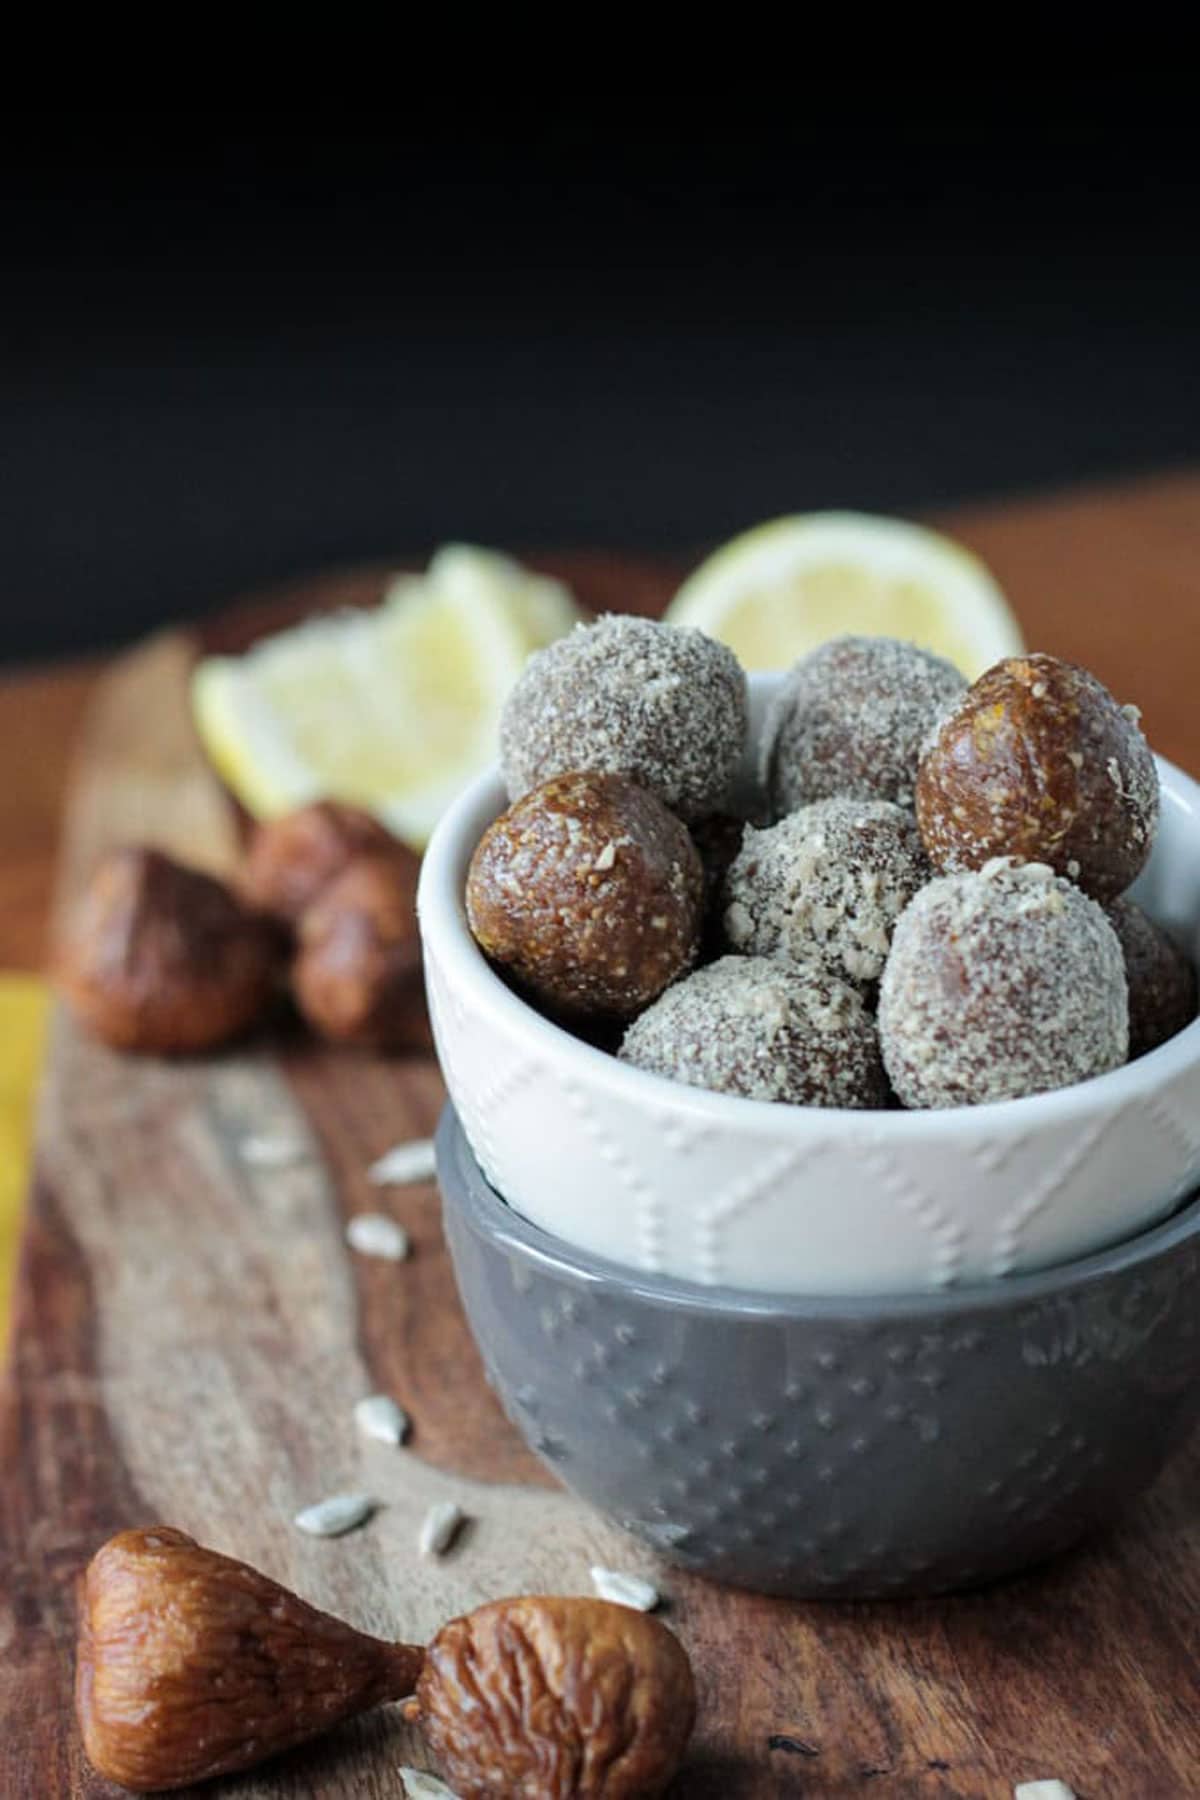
(925, 905)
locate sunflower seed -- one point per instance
(1043, 1790)
(380, 1418)
(406, 1164)
(374, 1234)
(330, 1518)
(625, 1590)
(420, 1785)
(271, 1152)
(440, 1527)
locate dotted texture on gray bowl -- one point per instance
(835, 1448)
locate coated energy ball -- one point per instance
(764, 1029)
(850, 718)
(1038, 762)
(831, 880)
(1162, 982)
(660, 703)
(291, 859)
(159, 957)
(590, 893)
(357, 971)
(1001, 982)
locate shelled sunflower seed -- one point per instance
(419, 1784)
(374, 1234)
(405, 1165)
(379, 1418)
(625, 1590)
(334, 1516)
(439, 1528)
(262, 1152)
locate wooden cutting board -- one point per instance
(191, 1334)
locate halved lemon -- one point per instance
(777, 591)
(393, 709)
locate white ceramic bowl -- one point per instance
(712, 1188)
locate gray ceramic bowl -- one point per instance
(835, 1447)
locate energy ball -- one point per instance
(662, 704)
(1162, 982)
(1038, 762)
(589, 892)
(850, 718)
(829, 880)
(767, 1030)
(1001, 982)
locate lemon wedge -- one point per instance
(392, 709)
(776, 592)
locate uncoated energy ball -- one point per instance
(829, 880)
(1162, 982)
(1002, 982)
(1038, 762)
(850, 718)
(590, 893)
(626, 696)
(766, 1030)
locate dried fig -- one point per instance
(357, 973)
(545, 1697)
(163, 958)
(292, 860)
(190, 1664)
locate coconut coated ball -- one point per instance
(829, 880)
(662, 704)
(850, 718)
(767, 1030)
(1001, 982)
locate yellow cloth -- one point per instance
(24, 1004)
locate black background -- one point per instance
(234, 351)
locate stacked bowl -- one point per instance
(816, 1351)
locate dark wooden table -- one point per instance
(189, 1332)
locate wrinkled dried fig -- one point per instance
(292, 860)
(163, 958)
(357, 973)
(548, 1698)
(190, 1664)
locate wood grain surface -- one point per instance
(191, 1333)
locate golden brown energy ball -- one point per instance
(848, 720)
(1162, 982)
(1001, 982)
(765, 1029)
(291, 859)
(589, 892)
(357, 970)
(663, 704)
(1038, 762)
(163, 958)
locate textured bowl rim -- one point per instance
(495, 1219)
(443, 920)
